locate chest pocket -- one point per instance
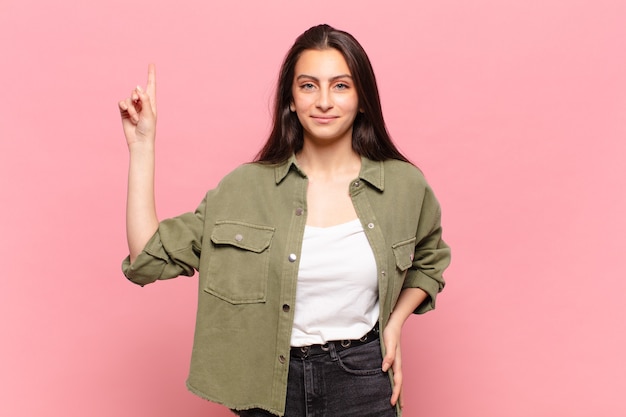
(404, 252)
(238, 266)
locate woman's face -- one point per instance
(324, 96)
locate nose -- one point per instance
(324, 100)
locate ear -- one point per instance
(292, 107)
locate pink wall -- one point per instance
(516, 111)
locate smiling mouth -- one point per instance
(324, 119)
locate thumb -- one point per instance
(389, 358)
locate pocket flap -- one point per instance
(404, 252)
(242, 235)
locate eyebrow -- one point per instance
(310, 77)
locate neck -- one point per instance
(328, 161)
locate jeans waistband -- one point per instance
(339, 345)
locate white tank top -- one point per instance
(337, 290)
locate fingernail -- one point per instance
(139, 89)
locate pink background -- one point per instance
(515, 110)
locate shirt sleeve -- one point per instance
(172, 251)
(431, 256)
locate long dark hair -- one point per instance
(370, 137)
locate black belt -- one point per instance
(339, 345)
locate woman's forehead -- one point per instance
(322, 63)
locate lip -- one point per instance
(324, 119)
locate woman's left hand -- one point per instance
(393, 360)
(407, 302)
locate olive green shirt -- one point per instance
(245, 240)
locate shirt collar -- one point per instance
(281, 170)
(373, 172)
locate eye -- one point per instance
(342, 86)
(307, 86)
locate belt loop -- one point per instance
(333, 351)
(305, 351)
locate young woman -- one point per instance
(310, 258)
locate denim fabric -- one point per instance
(349, 383)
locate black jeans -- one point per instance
(349, 383)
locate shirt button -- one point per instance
(357, 183)
(282, 359)
(370, 225)
(238, 237)
(299, 211)
(292, 257)
(286, 308)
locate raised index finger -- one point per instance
(151, 86)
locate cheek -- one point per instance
(300, 103)
(350, 103)
(300, 115)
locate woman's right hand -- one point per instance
(139, 122)
(138, 112)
